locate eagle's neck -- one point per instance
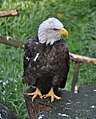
(48, 37)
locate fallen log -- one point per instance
(9, 13)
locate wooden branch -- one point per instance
(9, 13)
(73, 57)
(75, 75)
(9, 41)
(79, 58)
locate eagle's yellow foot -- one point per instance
(52, 95)
(35, 94)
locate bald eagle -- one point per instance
(46, 60)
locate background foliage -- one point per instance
(79, 18)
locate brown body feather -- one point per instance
(51, 66)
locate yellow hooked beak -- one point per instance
(63, 32)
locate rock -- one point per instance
(5, 113)
(71, 106)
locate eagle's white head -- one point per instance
(50, 31)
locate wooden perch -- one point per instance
(37, 106)
(9, 13)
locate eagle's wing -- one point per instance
(59, 63)
(66, 62)
(29, 54)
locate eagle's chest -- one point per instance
(46, 58)
(44, 54)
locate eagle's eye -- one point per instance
(55, 29)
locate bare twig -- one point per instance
(9, 13)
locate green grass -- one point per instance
(78, 17)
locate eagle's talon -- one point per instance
(35, 94)
(52, 95)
